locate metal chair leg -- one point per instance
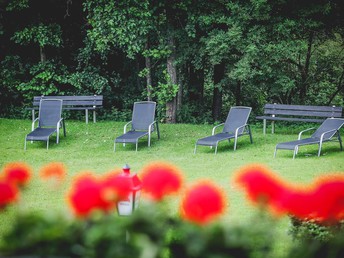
(235, 143)
(340, 141)
(319, 151)
(295, 151)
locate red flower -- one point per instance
(160, 179)
(8, 193)
(264, 188)
(115, 186)
(329, 193)
(18, 173)
(322, 202)
(202, 203)
(87, 195)
(53, 170)
(301, 204)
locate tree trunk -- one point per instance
(238, 94)
(179, 96)
(171, 106)
(148, 75)
(219, 72)
(42, 54)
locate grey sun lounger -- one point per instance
(142, 124)
(234, 127)
(49, 122)
(327, 130)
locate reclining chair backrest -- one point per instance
(143, 115)
(237, 116)
(327, 125)
(50, 111)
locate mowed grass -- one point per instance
(90, 148)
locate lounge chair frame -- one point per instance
(240, 130)
(325, 136)
(135, 133)
(46, 126)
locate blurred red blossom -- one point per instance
(264, 188)
(87, 195)
(18, 173)
(8, 193)
(160, 179)
(329, 193)
(202, 203)
(115, 186)
(53, 170)
(322, 202)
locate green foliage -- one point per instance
(310, 230)
(157, 53)
(165, 91)
(89, 80)
(149, 232)
(12, 71)
(46, 79)
(251, 240)
(17, 5)
(314, 240)
(43, 35)
(43, 234)
(120, 24)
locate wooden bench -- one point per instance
(86, 103)
(297, 113)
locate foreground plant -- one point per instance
(93, 228)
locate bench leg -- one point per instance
(94, 116)
(86, 115)
(273, 127)
(264, 126)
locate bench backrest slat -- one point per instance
(73, 100)
(300, 110)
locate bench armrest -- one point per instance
(300, 134)
(214, 128)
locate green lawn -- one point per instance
(90, 148)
